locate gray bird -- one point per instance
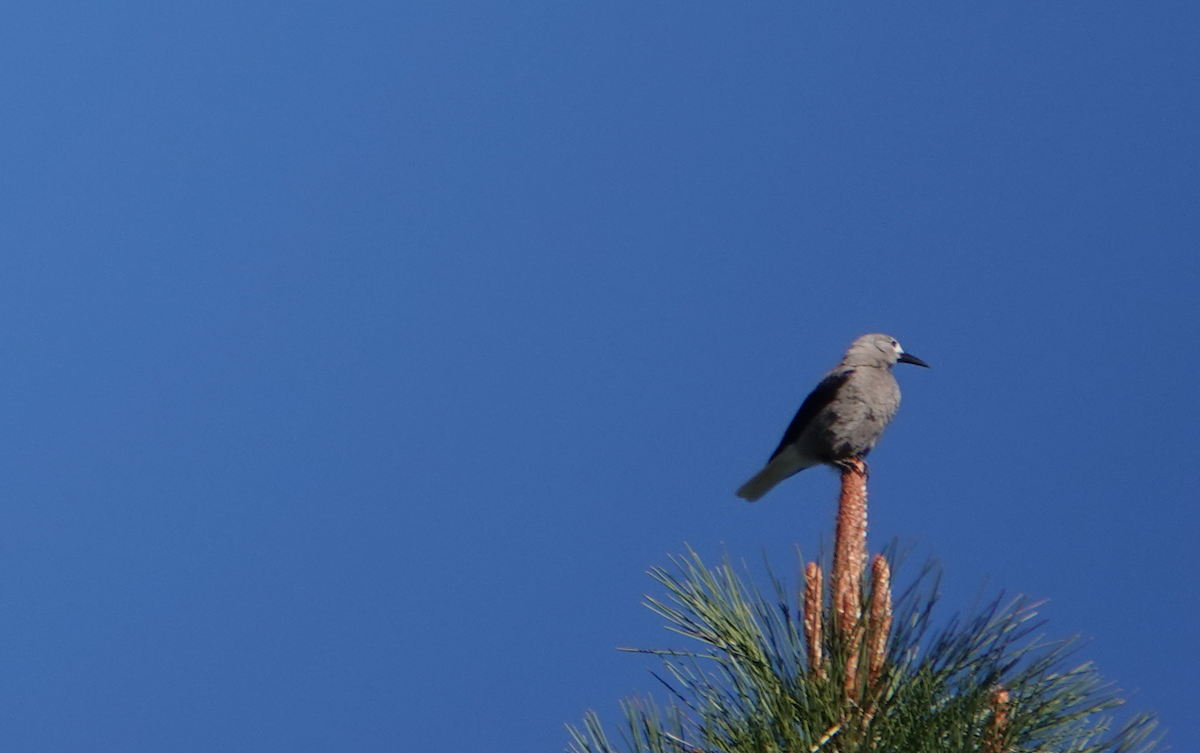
(842, 418)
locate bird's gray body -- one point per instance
(843, 418)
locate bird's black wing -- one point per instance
(812, 405)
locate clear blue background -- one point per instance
(357, 359)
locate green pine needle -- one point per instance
(747, 688)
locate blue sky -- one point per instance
(359, 359)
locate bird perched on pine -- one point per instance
(842, 418)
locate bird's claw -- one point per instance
(852, 465)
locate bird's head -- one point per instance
(878, 350)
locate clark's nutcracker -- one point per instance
(842, 418)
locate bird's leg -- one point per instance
(853, 464)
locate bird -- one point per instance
(843, 418)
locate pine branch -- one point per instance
(752, 686)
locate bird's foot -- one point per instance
(852, 465)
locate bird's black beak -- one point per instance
(909, 358)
